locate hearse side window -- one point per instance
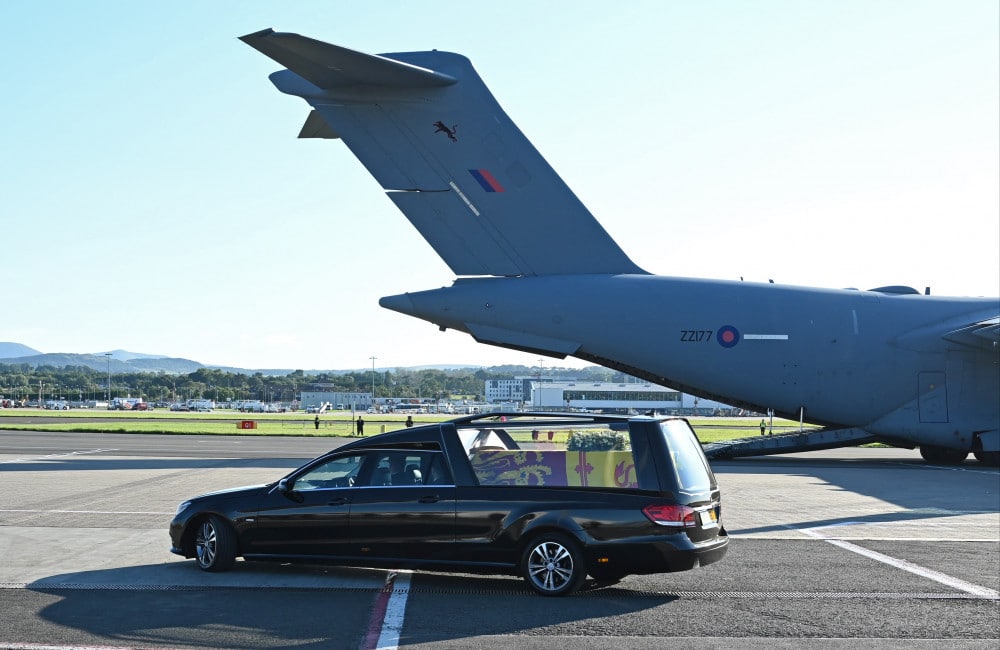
(436, 470)
(406, 467)
(474, 439)
(338, 472)
(594, 457)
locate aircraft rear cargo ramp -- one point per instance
(788, 443)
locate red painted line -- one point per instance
(377, 619)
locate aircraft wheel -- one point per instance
(990, 458)
(942, 455)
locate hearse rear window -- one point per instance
(689, 465)
(588, 456)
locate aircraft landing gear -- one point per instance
(942, 455)
(989, 458)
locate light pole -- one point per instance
(540, 361)
(373, 381)
(108, 392)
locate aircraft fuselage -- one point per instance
(794, 349)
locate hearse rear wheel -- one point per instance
(552, 565)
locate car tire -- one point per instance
(552, 565)
(214, 545)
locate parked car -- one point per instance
(603, 496)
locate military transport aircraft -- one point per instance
(538, 273)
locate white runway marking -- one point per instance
(392, 625)
(29, 459)
(87, 512)
(930, 574)
(387, 617)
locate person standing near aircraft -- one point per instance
(361, 426)
(316, 422)
(763, 426)
(409, 421)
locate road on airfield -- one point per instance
(860, 547)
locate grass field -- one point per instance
(338, 423)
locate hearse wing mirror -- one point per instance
(286, 487)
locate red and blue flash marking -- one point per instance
(486, 180)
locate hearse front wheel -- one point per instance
(552, 565)
(215, 545)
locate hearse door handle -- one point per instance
(337, 502)
(430, 499)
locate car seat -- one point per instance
(412, 475)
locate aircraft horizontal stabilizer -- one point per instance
(317, 127)
(331, 66)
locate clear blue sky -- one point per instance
(154, 197)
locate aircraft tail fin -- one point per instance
(430, 132)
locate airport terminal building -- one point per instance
(516, 390)
(608, 397)
(545, 394)
(336, 399)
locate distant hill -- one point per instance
(125, 355)
(15, 350)
(138, 363)
(123, 361)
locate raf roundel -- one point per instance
(728, 336)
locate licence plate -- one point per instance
(707, 517)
